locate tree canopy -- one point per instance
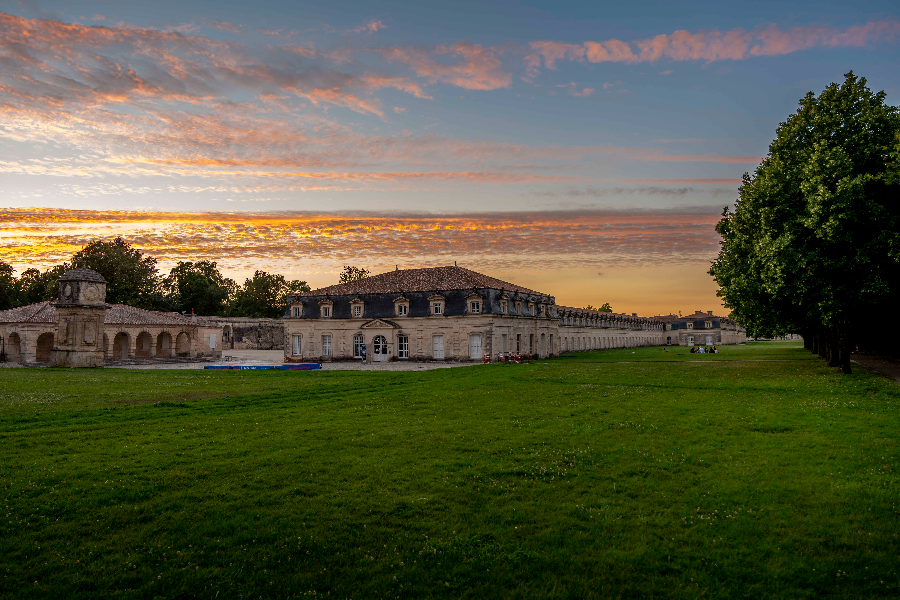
(351, 273)
(813, 243)
(265, 295)
(132, 277)
(199, 288)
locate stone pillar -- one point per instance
(80, 309)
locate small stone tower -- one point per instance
(80, 308)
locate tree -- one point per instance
(351, 273)
(131, 277)
(265, 295)
(198, 287)
(35, 286)
(813, 244)
(8, 292)
(605, 308)
(589, 307)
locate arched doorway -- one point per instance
(121, 345)
(14, 348)
(143, 345)
(44, 346)
(164, 345)
(183, 344)
(379, 348)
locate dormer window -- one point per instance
(531, 308)
(437, 304)
(668, 327)
(690, 325)
(474, 303)
(503, 307)
(518, 308)
(709, 324)
(325, 309)
(295, 311)
(356, 308)
(401, 306)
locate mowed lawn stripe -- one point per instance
(562, 479)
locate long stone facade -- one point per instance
(449, 313)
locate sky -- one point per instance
(583, 149)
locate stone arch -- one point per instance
(14, 347)
(183, 344)
(44, 346)
(121, 346)
(143, 345)
(164, 344)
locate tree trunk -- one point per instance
(846, 347)
(834, 355)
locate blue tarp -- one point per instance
(296, 367)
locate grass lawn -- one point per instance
(757, 472)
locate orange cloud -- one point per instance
(478, 68)
(712, 45)
(244, 241)
(369, 27)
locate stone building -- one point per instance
(31, 334)
(448, 313)
(248, 333)
(702, 329)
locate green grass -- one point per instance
(757, 472)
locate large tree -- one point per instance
(8, 293)
(198, 287)
(813, 244)
(265, 295)
(132, 277)
(351, 273)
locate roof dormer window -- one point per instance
(356, 308)
(401, 307)
(437, 304)
(325, 307)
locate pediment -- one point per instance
(380, 324)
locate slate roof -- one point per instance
(602, 313)
(82, 274)
(117, 314)
(419, 280)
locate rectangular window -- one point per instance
(402, 310)
(402, 346)
(326, 345)
(295, 345)
(357, 345)
(357, 311)
(518, 308)
(295, 312)
(437, 308)
(531, 344)
(550, 349)
(503, 307)
(475, 306)
(326, 311)
(518, 342)
(690, 325)
(503, 343)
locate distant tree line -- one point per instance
(813, 244)
(134, 279)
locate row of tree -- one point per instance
(134, 279)
(813, 244)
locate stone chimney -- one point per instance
(709, 312)
(80, 308)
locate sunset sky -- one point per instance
(583, 149)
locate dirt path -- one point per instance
(883, 366)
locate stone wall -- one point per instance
(245, 333)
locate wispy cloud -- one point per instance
(555, 238)
(712, 45)
(226, 26)
(370, 26)
(471, 66)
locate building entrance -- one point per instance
(379, 349)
